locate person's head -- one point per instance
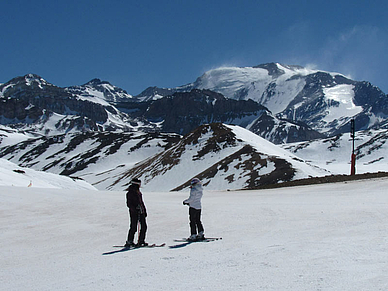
(136, 181)
(195, 181)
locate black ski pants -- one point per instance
(195, 220)
(136, 217)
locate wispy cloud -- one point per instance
(359, 52)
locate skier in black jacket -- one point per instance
(137, 213)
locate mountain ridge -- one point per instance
(323, 101)
(107, 136)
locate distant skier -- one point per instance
(194, 202)
(137, 213)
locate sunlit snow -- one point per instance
(323, 237)
(343, 96)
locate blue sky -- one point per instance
(137, 44)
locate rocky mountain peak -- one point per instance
(34, 78)
(26, 82)
(154, 93)
(272, 68)
(96, 82)
(101, 89)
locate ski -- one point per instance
(206, 239)
(125, 249)
(156, 245)
(185, 242)
(139, 247)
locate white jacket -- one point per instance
(195, 196)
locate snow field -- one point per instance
(322, 237)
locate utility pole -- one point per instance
(352, 135)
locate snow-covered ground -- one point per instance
(322, 237)
(334, 154)
(13, 175)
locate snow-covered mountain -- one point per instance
(96, 157)
(154, 93)
(97, 90)
(334, 154)
(223, 157)
(32, 103)
(183, 112)
(324, 101)
(303, 104)
(103, 134)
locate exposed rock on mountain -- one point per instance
(154, 93)
(223, 157)
(184, 111)
(302, 104)
(322, 101)
(103, 134)
(102, 89)
(281, 131)
(31, 101)
(94, 156)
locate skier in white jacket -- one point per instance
(194, 202)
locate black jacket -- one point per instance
(135, 200)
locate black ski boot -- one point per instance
(129, 244)
(141, 244)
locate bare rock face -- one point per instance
(31, 99)
(219, 157)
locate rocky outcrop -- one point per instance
(182, 112)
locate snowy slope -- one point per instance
(230, 80)
(100, 91)
(224, 161)
(323, 237)
(223, 157)
(93, 156)
(10, 136)
(343, 96)
(334, 154)
(255, 83)
(325, 101)
(13, 175)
